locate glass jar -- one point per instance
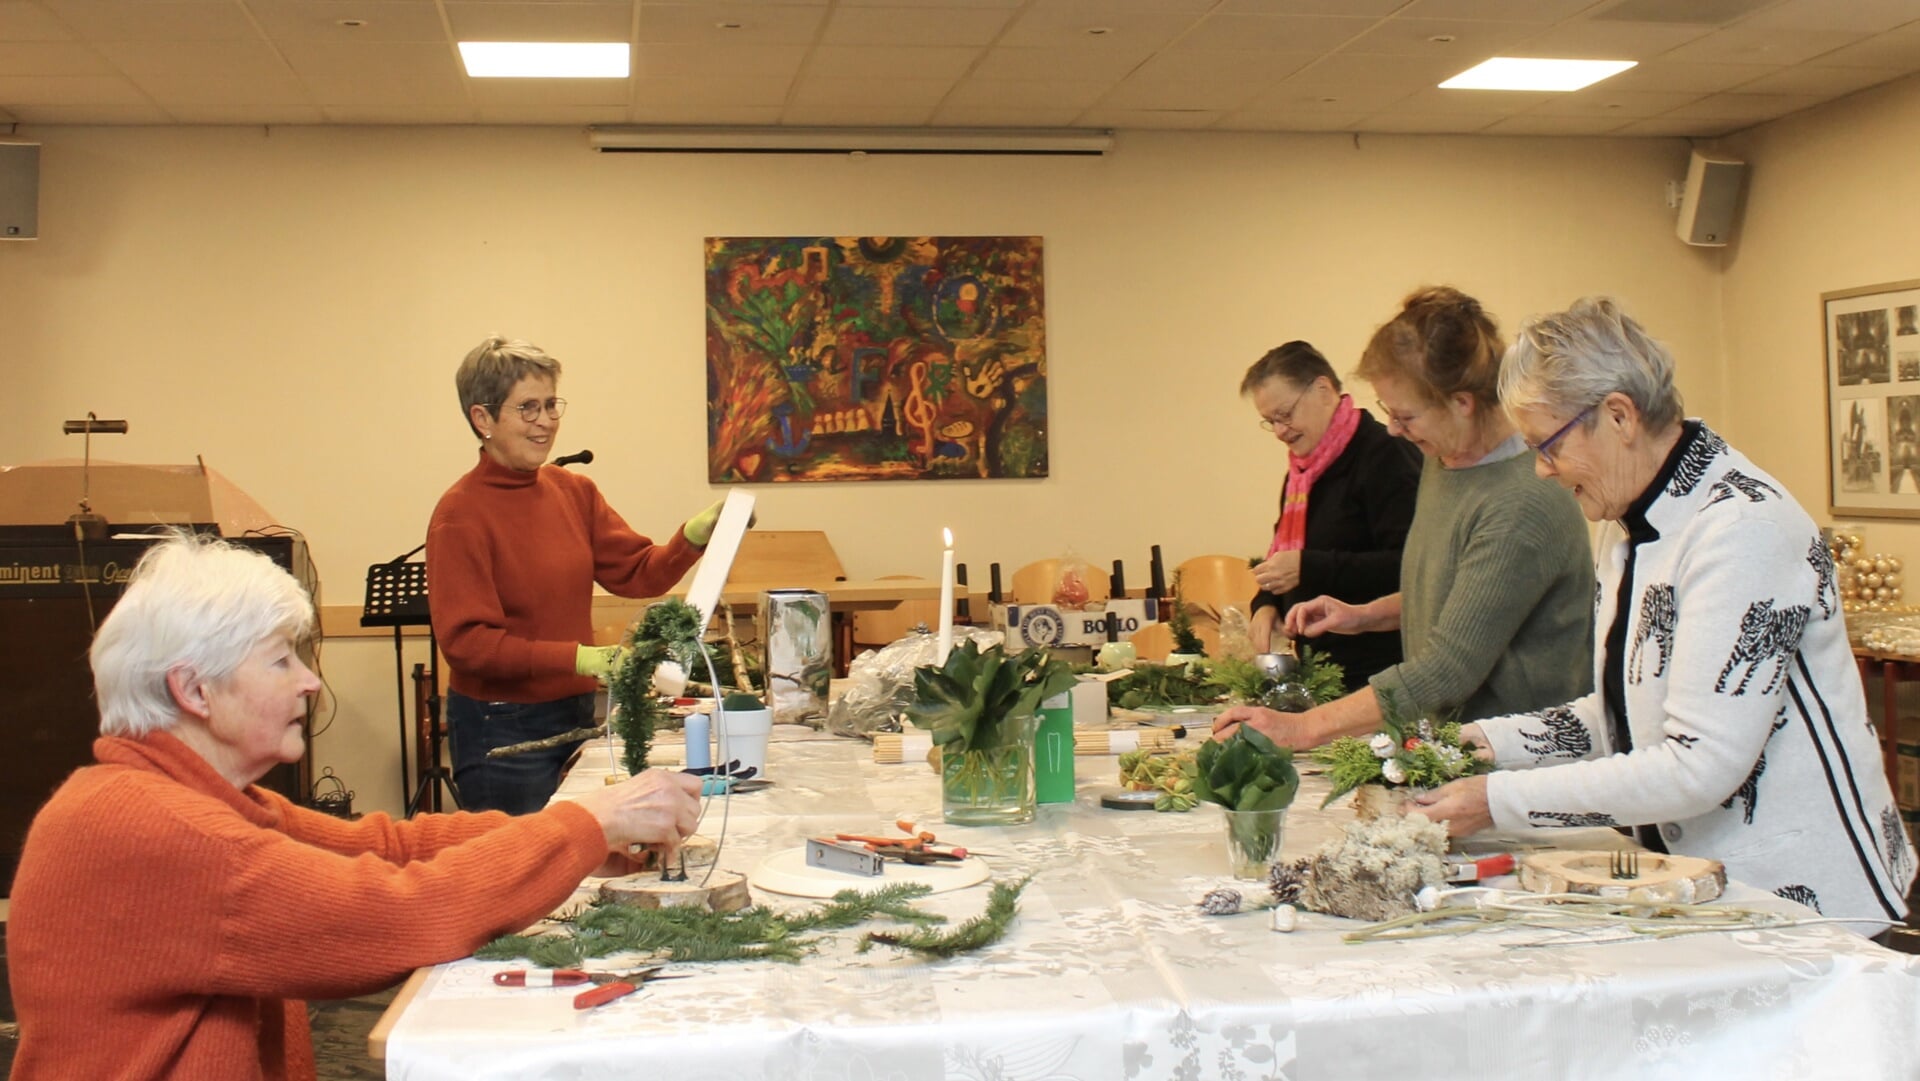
(991, 786)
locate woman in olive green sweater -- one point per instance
(1496, 583)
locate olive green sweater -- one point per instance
(1496, 595)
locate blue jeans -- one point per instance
(520, 784)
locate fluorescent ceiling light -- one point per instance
(1535, 73)
(797, 140)
(545, 59)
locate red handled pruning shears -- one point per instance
(609, 985)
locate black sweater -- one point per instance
(1357, 521)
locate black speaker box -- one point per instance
(19, 191)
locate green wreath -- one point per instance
(670, 631)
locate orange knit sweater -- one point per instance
(165, 924)
(511, 562)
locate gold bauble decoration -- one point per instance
(1862, 566)
(1879, 564)
(1891, 578)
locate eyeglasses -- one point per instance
(530, 411)
(1285, 417)
(1404, 420)
(1544, 448)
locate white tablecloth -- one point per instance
(1110, 972)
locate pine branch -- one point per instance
(983, 930)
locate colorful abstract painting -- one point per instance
(875, 358)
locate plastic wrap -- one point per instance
(880, 682)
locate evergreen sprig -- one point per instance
(1421, 753)
(686, 933)
(983, 930)
(1180, 622)
(669, 631)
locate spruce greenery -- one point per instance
(983, 930)
(669, 631)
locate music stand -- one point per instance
(397, 598)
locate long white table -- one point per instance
(1111, 972)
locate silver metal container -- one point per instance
(797, 630)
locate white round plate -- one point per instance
(787, 872)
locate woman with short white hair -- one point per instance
(167, 914)
(1727, 719)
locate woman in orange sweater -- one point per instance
(168, 915)
(514, 549)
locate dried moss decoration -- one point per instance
(669, 631)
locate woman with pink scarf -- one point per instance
(1345, 505)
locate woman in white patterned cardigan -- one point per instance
(1728, 719)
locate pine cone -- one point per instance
(1220, 902)
(1287, 880)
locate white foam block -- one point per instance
(717, 563)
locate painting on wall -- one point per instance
(875, 358)
(1873, 400)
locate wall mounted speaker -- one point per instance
(19, 191)
(1712, 200)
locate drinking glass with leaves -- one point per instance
(980, 706)
(1253, 781)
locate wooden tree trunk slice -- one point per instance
(725, 891)
(1662, 878)
(1371, 801)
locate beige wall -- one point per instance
(1831, 205)
(290, 304)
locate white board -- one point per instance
(711, 577)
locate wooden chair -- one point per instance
(1033, 583)
(1212, 583)
(876, 629)
(785, 558)
(1153, 642)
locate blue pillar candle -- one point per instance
(699, 748)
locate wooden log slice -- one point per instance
(1662, 878)
(725, 891)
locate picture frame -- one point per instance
(1872, 336)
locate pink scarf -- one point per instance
(1291, 536)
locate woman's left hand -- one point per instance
(1461, 804)
(1280, 573)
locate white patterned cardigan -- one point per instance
(1718, 639)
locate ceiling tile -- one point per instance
(1410, 72)
(1196, 96)
(1740, 45)
(1897, 48)
(89, 114)
(1602, 101)
(1535, 124)
(702, 60)
(1005, 94)
(1231, 31)
(155, 20)
(1149, 118)
(247, 114)
(1746, 108)
(391, 73)
(51, 58)
(891, 62)
(1396, 124)
(1255, 69)
(680, 112)
(944, 3)
(731, 23)
(20, 21)
(1865, 16)
(1518, 11)
(1436, 101)
(541, 22)
(22, 90)
(711, 90)
(1826, 82)
(319, 20)
(400, 114)
(987, 116)
(1121, 8)
(856, 116)
(569, 116)
(923, 25)
(1589, 40)
(1688, 127)
(1369, 8)
(813, 89)
(1666, 75)
(208, 72)
(1287, 120)
(1471, 42)
(1103, 61)
(550, 91)
(1133, 31)
(1303, 93)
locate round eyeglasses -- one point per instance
(1544, 448)
(530, 410)
(1284, 419)
(1404, 420)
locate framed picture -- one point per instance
(1873, 400)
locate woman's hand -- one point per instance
(1285, 729)
(1280, 573)
(1323, 615)
(1260, 628)
(1471, 733)
(655, 808)
(1461, 804)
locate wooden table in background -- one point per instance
(1894, 669)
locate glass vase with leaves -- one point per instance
(979, 705)
(1254, 782)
